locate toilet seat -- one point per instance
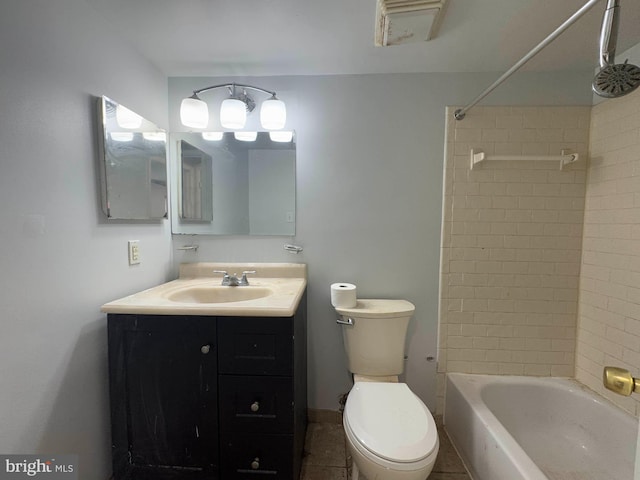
(389, 423)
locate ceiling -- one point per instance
(316, 37)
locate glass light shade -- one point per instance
(154, 136)
(212, 136)
(246, 136)
(121, 136)
(233, 113)
(126, 118)
(194, 113)
(281, 136)
(273, 114)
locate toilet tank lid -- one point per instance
(378, 308)
(391, 421)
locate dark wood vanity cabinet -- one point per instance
(201, 397)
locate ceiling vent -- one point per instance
(407, 21)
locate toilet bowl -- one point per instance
(390, 433)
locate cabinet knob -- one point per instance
(205, 349)
(255, 465)
(255, 406)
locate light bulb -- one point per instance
(194, 113)
(273, 114)
(246, 136)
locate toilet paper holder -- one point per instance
(348, 321)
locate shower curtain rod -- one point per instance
(461, 112)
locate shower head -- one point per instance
(613, 80)
(616, 80)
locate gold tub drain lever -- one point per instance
(620, 381)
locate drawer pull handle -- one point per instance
(205, 349)
(255, 465)
(255, 406)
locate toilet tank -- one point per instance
(375, 342)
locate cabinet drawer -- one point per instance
(247, 456)
(257, 404)
(255, 346)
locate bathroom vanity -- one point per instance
(198, 392)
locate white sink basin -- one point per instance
(274, 291)
(217, 294)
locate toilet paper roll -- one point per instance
(343, 295)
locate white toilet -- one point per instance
(391, 434)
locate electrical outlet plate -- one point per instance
(134, 252)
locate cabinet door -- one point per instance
(169, 388)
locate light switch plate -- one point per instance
(134, 252)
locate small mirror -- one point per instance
(226, 186)
(133, 164)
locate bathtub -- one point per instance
(529, 428)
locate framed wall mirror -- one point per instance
(133, 164)
(224, 186)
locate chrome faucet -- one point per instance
(233, 280)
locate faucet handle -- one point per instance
(225, 276)
(620, 381)
(244, 280)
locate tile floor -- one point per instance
(326, 456)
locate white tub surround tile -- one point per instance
(511, 242)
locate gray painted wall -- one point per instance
(59, 259)
(370, 152)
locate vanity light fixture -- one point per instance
(246, 136)
(194, 112)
